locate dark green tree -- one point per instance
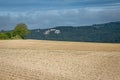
(9, 34)
(21, 30)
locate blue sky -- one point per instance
(51, 13)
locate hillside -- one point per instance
(107, 32)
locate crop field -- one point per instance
(58, 60)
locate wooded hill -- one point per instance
(107, 32)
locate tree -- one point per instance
(21, 30)
(9, 34)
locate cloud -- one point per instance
(51, 4)
(82, 14)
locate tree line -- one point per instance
(19, 32)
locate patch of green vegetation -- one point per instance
(3, 36)
(19, 32)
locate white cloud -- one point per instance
(52, 18)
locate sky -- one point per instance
(50, 13)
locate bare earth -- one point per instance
(55, 60)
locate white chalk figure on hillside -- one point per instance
(56, 31)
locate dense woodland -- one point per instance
(107, 32)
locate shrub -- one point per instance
(3, 36)
(9, 34)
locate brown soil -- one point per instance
(55, 60)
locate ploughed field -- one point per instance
(58, 60)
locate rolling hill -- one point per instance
(107, 32)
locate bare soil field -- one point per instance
(58, 60)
